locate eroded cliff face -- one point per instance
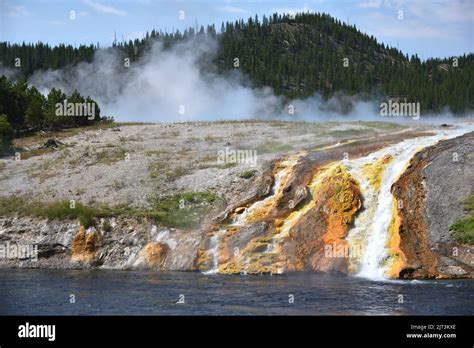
(288, 231)
(430, 192)
(113, 244)
(84, 246)
(371, 210)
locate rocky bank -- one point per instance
(294, 214)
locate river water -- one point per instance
(105, 292)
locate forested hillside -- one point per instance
(298, 57)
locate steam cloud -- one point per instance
(11, 74)
(154, 88)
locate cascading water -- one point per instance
(254, 211)
(371, 226)
(261, 207)
(374, 232)
(214, 252)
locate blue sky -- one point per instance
(430, 28)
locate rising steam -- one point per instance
(168, 85)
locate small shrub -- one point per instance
(181, 210)
(6, 135)
(106, 226)
(36, 152)
(11, 204)
(247, 174)
(111, 156)
(272, 146)
(463, 229)
(62, 210)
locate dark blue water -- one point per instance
(100, 292)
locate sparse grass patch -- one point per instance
(182, 210)
(124, 124)
(150, 153)
(45, 169)
(62, 211)
(214, 164)
(104, 210)
(163, 168)
(382, 125)
(170, 134)
(247, 174)
(157, 168)
(39, 138)
(277, 123)
(106, 226)
(184, 151)
(176, 173)
(64, 153)
(212, 138)
(463, 229)
(192, 140)
(130, 138)
(35, 152)
(58, 210)
(43, 176)
(75, 162)
(111, 156)
(226, 165)
(10, 204)
(118, 185)
(209, 158)
(352, 132)
(207, 161)
(273, 147)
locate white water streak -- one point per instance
(214, 251)
(371, 225)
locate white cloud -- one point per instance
(427, 10)
(389, 26)
(305, 8)
(453, 11)
(413, 31)
(370, 4)
(105, 8)
(17, 11)
(440, 19)
(232, 9)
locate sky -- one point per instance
(429, 28)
